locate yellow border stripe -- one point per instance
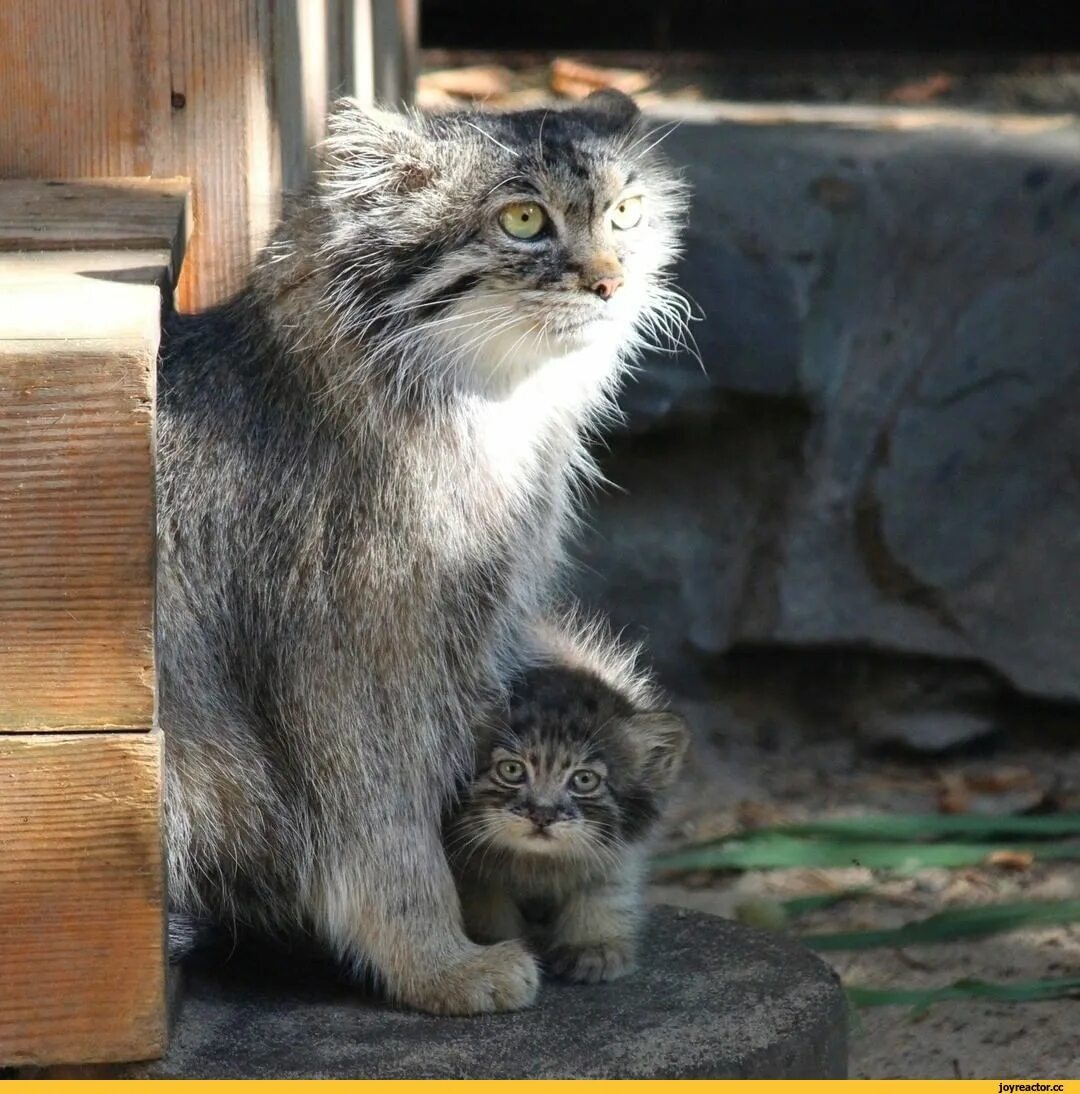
(542, 1086)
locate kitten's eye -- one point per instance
(627, 214)
(523, 219)
(511, 771)
(584, 781)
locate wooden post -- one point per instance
(229, 93)
(82, 269)
(395, 34)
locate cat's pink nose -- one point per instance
(606, 287)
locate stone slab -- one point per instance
(881, 448)
(712, 999)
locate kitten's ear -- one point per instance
(618, 111)
(661, 740)
(369, 151)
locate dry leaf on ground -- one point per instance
(1011, 860)
(921, 91)
(1001, 779)
(953, 794)
(576, 80)
(470, 82)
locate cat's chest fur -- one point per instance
(500, 489)
(493, 514)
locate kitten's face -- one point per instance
(544, 795)
(497, 243)
(572, 772)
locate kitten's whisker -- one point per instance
(490, 830)
(464, 842)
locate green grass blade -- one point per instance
(904, 828)
(937, 826)
(801, 905)
(777, 915)
(775, 850)
(1028, 991)
(953, 924)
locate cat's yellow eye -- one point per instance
(511, 772)
(627, 213)
(522, 219)
(584, 781)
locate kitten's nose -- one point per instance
(542, 815)
(606, 287)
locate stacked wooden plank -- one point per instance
(83, 267)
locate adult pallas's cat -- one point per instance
(367, 461)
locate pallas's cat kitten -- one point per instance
(551, 837)
(366, 463)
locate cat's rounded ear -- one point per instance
(371, 151)
(660, 740)
(618, 111)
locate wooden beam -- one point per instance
(79, 334)
(103, 214)
(229, 93)
(85, 87)
(219, 133)
(82, 964)
(81, 899)
(77, 362)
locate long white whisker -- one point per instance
(482, 133)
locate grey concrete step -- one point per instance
(712, 999)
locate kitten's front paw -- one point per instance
(591, 962)
(491, 978)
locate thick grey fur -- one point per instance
(368, 462)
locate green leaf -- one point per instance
(937, 826)
(1027, 991)
(774, 850)
(801, 905)
(949, 925)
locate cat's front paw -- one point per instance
(591, 962)
(490, 978)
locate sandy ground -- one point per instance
(740, 779)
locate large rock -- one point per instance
(885, 447)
